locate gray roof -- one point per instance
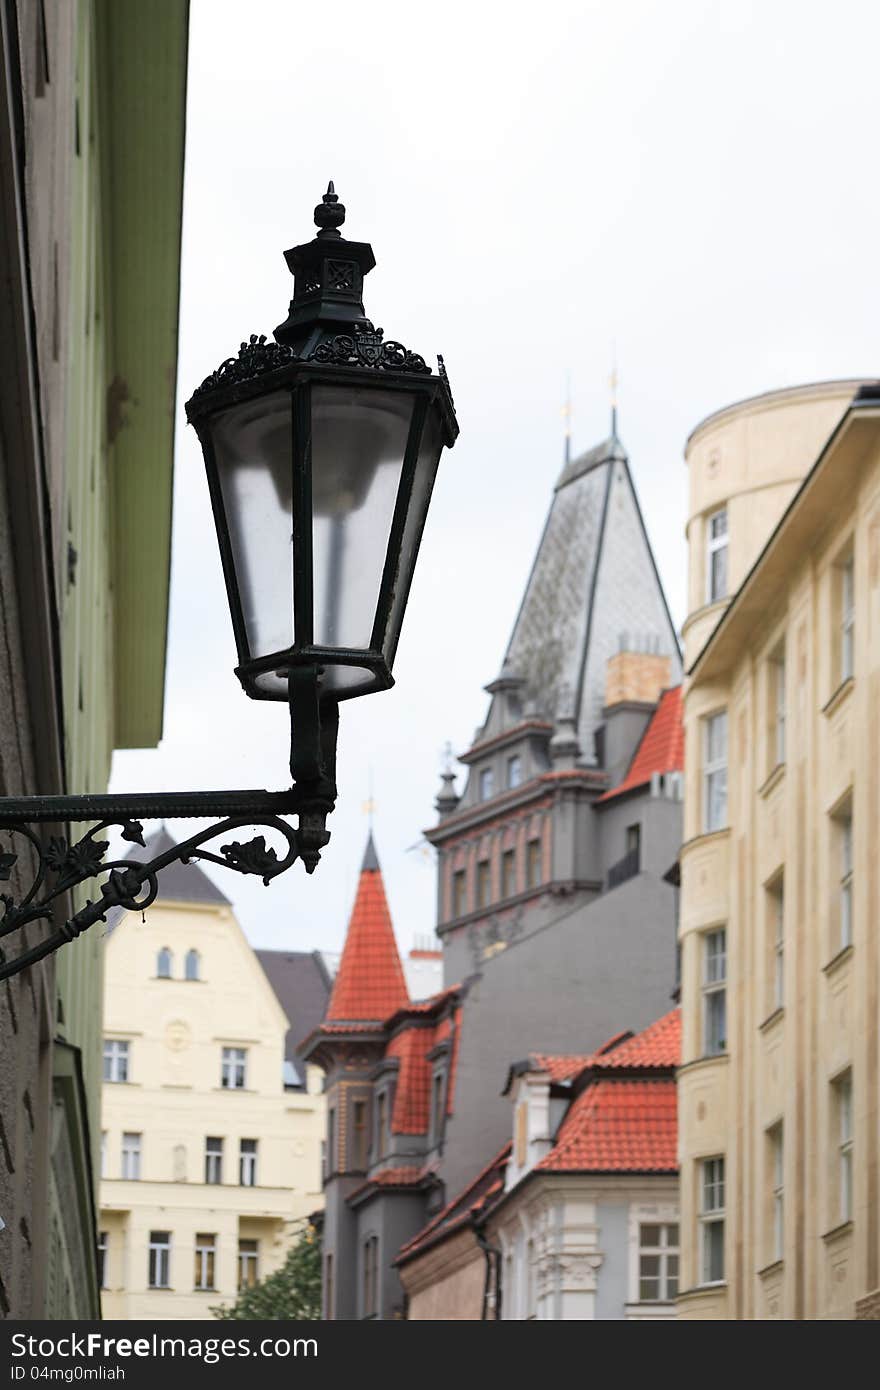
(610, 448)
(179, 883)
(302, 985)
(593, 590)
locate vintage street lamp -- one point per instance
(321, 450)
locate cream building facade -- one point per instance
(779, 1137)
(211, 1145)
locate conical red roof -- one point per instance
(369, 984)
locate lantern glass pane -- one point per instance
(423, 482)
(359, 439)
(253, 449)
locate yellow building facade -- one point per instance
(780, 872)
(211, 1146)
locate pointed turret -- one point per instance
(370, 983)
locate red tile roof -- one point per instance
(661, 748)
(412, 1097)
(369, 983)
(624, 1123)
(481, 1193)
(618, 1125)
(658, 1045)
(558, 1068)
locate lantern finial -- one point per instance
(330, 213)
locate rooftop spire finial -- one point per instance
(369, 806)
(330, 213)
(612, 384)
(566, 415)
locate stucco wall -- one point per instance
(570, 984)
(176, 1029)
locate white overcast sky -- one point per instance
(693, 182)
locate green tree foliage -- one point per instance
(292, 1293)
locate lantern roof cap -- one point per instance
(328, 275)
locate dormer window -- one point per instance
(514, 771)
(163, 964)
(483, 883)
(437, 1107)
(533, 863)
(487, 783)
(508, 873)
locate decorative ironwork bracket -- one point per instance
(132, 884)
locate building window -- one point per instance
(247, 1163)
(712, 1220)
(716, 555)
(459, 893)
(437, 1107)
(328, 1288)
(508, 873)
(233, 1068)
(331, 1142)
(381, 1123)
(847, 612)
(843, 1119)
(633, 842)
(163, 964)
(715, 772)
(131, 1157)
(533, 863)
(487, 783)
(483, 883)
(248, 1253)
(213, 1160)
(191, 966)
(844, 841)
(159, 1274)
(776, 942)
(205, 1249)
(371, 1275)
(776, 1171)
(714, 992)
(514, 771)
(360, 1136)
(521, 1134)
(658, 1263)
(102, 1259)
(115, 1060)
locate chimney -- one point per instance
(634, 679)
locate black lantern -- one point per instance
(321, 450)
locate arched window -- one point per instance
(192, 965)
(163, 964)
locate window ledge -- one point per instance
(832, 966)
(839, 697)
(704, 1290)
(774, 1267)
(704, 836)
(707, 608)
(776, 776)
(838, 1232)
(774, 1017)
(703, 1062)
